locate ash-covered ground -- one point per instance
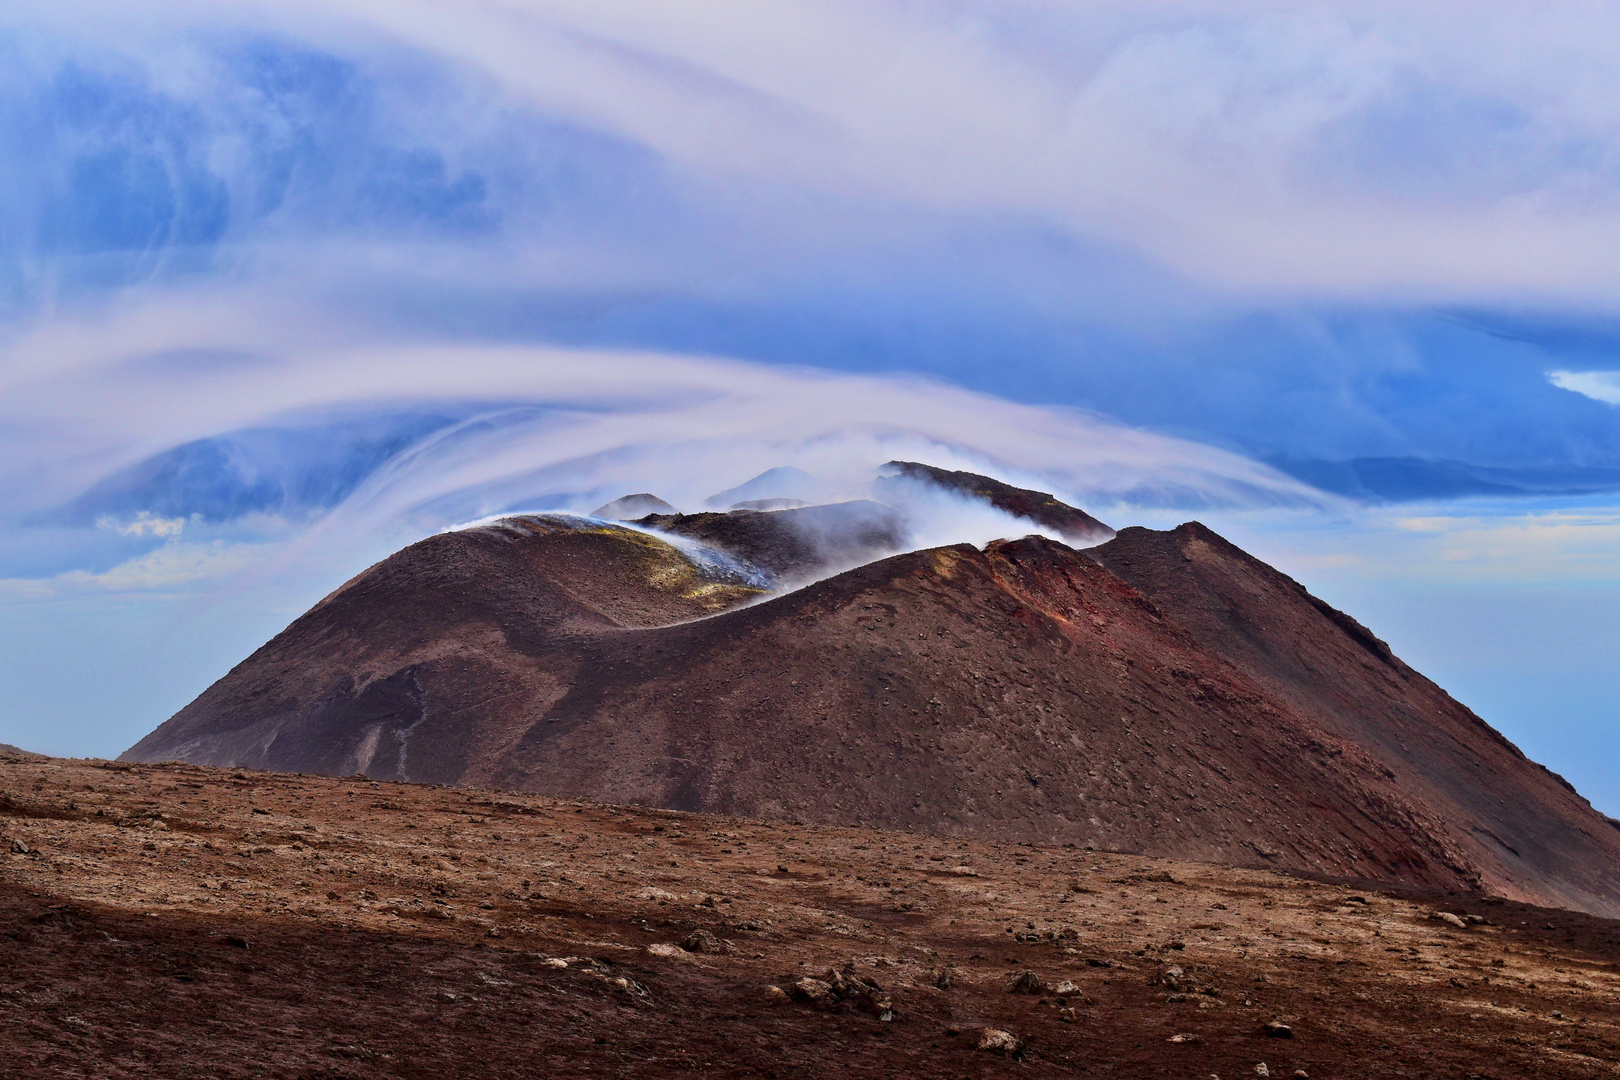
(178, 921)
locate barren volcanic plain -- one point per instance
(182, 921)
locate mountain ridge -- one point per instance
(1161, 693)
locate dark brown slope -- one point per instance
(1527, 828)
(1017, 693)
(798, 542)
(429, 646)
(1021, 692)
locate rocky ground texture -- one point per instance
(177, 921)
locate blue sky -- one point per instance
(285, 286)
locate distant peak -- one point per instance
(782, 482)
(633, 507)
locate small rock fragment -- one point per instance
(1025, 982)
(656, 894)
(1450, 919)
(1261, 1070)
(702, 941)
(776, 995)
(996, 1041)
(1276, 1029)
(811, 991)
(1067, 989)
(20, 848)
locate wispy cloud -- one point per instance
(172, 567)
(1446, 151)
(144, 524)
(551, 427)
(1480, 543)
(1601, 386)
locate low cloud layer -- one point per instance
(414, 436)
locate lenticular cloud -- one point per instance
(572, 428)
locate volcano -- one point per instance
(1161, 693)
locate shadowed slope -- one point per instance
(1526, 827)
(432, 647)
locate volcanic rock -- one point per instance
(996, 1041)
(812, 991)
(702, 941)
(1025, 982)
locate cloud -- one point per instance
(531, 427)
(1601, 386)
(1256, 204)
(1476, 544)
(166, 569)
(144, 525)
(1419, 150)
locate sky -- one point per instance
(286, 286)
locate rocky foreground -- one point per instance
(175, 921)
